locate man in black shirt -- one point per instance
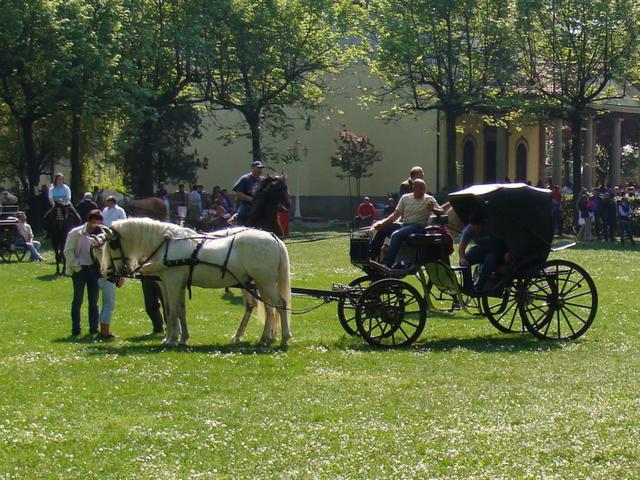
(85, 205)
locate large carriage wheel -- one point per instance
(558, 302)
(391, 313)
(18, 246)
(20, 253)
(5, 247)
(347, 306)
(503, 312)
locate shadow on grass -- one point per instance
(239, 348)
(515, 343)
(50, 277)
(486, 344)
(87, 338)
(233, 296)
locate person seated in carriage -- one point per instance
(415, 209)
(488, 252)
(24, 229)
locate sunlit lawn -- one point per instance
(465, 402)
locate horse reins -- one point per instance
(191, 262)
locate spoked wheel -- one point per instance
(559, 302)
(347, 306)
(503, 312)
(5, 247)
(20, 253)
(391, 313)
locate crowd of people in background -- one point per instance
(197, 207)
(606, 213)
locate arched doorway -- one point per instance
(521, 162)
(468, 162)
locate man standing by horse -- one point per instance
(245, 189)
(84, 272)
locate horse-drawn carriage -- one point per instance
(12, 245)
(552, 299)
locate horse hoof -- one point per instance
(235, 339)
(169, 343)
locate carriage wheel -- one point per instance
(559, 302)
(347, 306)
(20, 253)
(503, 312)
(391, 313)
(5, 247)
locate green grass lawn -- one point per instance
(464, 402)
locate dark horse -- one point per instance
(58, 221)
(272, 196)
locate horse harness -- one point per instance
(190, 262)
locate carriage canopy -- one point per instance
(515, 213)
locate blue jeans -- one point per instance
(398, 233)
(87, 277)
(243, 213)
(108, 290)
(625, 227)
(489, 257)
(33, 248)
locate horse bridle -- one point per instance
(113, 272)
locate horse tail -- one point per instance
(284, 291)
(284, 279)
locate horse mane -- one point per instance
(143, 235)
(263, 213)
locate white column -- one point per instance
(587, 167)
(556, 162)
(615, 152)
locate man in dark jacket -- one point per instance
(85, 205)
(609, 216)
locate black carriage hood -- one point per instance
(515, 213)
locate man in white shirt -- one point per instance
(112, 212)
(194, 211)
(415, 209)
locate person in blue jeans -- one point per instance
(414, 208)
(488, 251)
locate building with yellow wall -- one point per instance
(405, 142)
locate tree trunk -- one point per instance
(576, 152)
(451, 117)
(33, 167)
(143, 182)
(77, 165)
(253, 119)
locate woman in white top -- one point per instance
(59, 191)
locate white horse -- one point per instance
(7, 198)
(241, 255)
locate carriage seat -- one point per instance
(431, 236)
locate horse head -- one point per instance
(274, 191)
(7, 198)
(113, 262)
